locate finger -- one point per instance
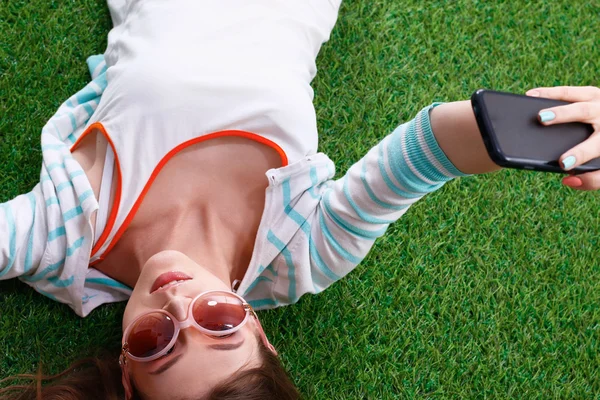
(567, 93)
(576, 112)
(572, 181)
(582, 153)
(587, 181)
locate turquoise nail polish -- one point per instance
(569, 162)
(547, 116)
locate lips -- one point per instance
(168, 278)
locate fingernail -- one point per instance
(568, 162)
(572, 181)
(546, 116)
(533, 93)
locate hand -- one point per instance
(585, 108)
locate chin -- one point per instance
(165, 261)
(144, 297)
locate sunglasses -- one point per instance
(215, 313)
(153, 334)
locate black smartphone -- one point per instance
(514, 138)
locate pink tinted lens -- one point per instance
(150, 335)
(219, 311)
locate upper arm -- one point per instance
(20, 247)
(357, 209)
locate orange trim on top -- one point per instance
(117, 200)
(157, 169)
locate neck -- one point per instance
(207, 235)
(211, 217)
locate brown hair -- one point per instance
(100, 379)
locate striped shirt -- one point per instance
(314, 230)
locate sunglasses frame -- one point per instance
(126, 380)
(180, 325)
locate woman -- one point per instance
(261, 217)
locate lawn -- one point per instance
(487, 288)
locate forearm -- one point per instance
(405, 166)
(375, 192)
(456, 131)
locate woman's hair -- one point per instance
(100, 379)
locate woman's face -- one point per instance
(197, 362)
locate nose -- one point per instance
(178, 306)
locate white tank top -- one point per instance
(183, 71)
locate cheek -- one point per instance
(127, 315)
(133, 308)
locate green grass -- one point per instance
(488, 288)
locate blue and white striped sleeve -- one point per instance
(43, 228)
(19, 249)
(376, 191)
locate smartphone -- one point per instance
(514, 137)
